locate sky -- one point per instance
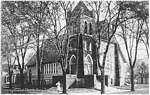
(141, 52)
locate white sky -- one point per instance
(141, 52)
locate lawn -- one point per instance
(139, 89)
(128, 87)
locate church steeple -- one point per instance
(82, 9)
(82, 20)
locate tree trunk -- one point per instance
(141, 78)
(64, 82)
(10, 79)
(102, 81)
(146, 80)
(22, 79)
(38, 62)
(132, 80)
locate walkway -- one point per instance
(83, 91)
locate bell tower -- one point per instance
(82, 20)
(82, 29)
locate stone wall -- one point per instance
(70, 81)
(89, 81)
(56, 79)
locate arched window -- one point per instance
(85, 30)
(90, 29)
(88, 65)
(72, 67)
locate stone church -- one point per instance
(82, 69)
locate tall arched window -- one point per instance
(72, 67)
(85, 30)
(90, 29)
(88, 65)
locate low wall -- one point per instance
(88, 81)
(70, 81)
(56, 79)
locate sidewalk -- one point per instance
(82, 91)
(110, 90)
(139, 89)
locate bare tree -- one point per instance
(132, 30)
(106, 31)
(7, 53)
(35, 14)
(19, 33)
(57, 13)
(143, 14)
(143, 71)
(145, 37)
(131, 37)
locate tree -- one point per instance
(131, 38)
(18, 33)
(7, 53)
(131, 34)
(106, 31)
(66, 7)
(143, 71)
(128, 71)
(142, 13)
(145, 37)
(59, 34)
(35, 13)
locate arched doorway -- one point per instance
(72, 65)
(88, 65)
(30, 75)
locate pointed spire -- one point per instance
(82, 8)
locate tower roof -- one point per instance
(81, 8)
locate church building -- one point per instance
(82, 69)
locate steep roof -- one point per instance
(51, 54)
(49, 57)
(81, 9)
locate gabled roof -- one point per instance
(49, 57)
(51, 54)
(82, 9)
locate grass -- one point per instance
(139, 89)
(137, 86)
